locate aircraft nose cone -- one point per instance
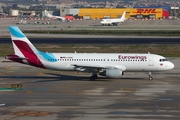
(171, 65)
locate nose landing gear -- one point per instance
(150, 76)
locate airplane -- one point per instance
(54, 17)
(111, 65)
(114, 21)
(22, 22)
(69, 17)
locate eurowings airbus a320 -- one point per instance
(105, 64)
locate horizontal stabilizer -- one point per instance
(15, 57)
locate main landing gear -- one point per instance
(93, 77)
(150, 76)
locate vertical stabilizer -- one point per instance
(24, 50)
(47, 14)
(123, 17)
(20, 42)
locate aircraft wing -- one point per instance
(62, 18)
(93, 67)
(114, 23)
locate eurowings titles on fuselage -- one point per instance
(112, 65)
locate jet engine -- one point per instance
(115, 24)
(112, 73)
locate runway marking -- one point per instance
(2, 104)
(31, 113)
(40, 73)
(10, 88)
(9, 67)
(29, 92)
(11, 71)
(128, 89)
(6, 90)
(97, 91)
(81, 92)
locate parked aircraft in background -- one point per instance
(69, 17)
(54, 17)
(112, 65)
(22, 22)
(66, 17)
(114, 21)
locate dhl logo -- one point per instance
(151, 10)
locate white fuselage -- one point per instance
(114, 21)
(54, 17)
(126, 62)
(111, 65)
(111, 21)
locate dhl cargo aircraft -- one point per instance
(112, 65)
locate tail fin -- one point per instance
(20, 42)
(25, 52)
(123, 17)
(47, 14)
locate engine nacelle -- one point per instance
(112, 73)
(115, 24)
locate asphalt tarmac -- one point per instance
(59, 95)
(87, 25)
(109, 40)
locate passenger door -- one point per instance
(150, 60)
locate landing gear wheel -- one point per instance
(150, 78)
(93, 77)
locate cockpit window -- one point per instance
(162, 60)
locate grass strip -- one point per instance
(110, 32)
(171, 50)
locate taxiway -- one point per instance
(70, 95)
